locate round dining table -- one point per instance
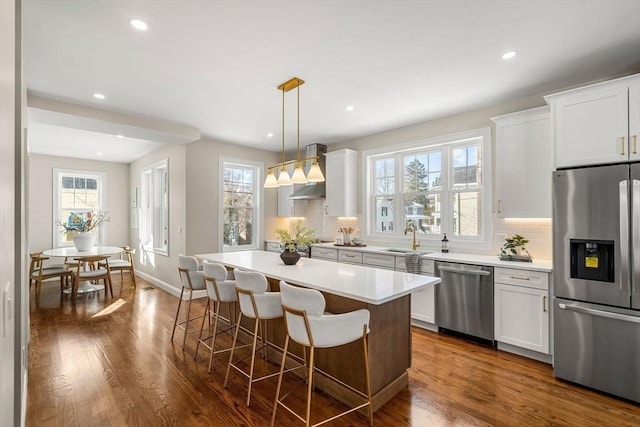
(72, 252)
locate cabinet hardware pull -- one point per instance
(520, 277)
(622, 145)
(499, 206)
(326, 210)
(544, 303)
(635, 144)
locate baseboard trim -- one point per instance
(169, 288)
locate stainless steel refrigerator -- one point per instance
(596, 262)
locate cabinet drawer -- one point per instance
(324, 253)
(351, 257)
(377, 260)
(273, 246)
(526, 278)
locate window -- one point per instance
(438, 185)
(76, 194)
(154, 208)
(240, 192)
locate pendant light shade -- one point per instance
(283, 178)
(270, 181)
(298, 175)
(315, 174)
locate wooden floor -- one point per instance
(111, 362)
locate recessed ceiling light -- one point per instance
(119, 136)
(99, 153)
(349, 108)
(99, 96)
(509, 54)
(138, 24)
(269, 135)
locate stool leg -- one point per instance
(215, 332)
(253, 358)
(366, 372)
(186, 325)
(206, 313)
(175, 323)
(284, 359)
(233, 347)
(310, 385)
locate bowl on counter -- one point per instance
(358, 242)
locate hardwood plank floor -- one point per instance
(111, 362)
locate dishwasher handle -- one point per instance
(459, 271)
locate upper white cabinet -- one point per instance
(523, 164)
(597, 124)
(287, 207)
(341, 177)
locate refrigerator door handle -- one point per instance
(624, 235)
(635, 232)
(591, 311)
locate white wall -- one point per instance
(116, 201)
(11, 345)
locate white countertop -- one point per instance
(360, 283)
(490, 260)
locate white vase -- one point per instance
(84, 241)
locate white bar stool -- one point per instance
(221, 290)
(191, 280)
(308, 325)
(258, 304)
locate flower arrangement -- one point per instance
(514, 249)
(83, 222)
(299, 234)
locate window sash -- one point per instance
(154, 208)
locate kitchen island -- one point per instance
(385, 293)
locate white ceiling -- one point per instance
(215, 65)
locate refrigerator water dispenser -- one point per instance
(592, 260)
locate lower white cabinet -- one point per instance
(522, 309)
(329, 254)
(423, 302)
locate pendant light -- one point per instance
(315, 174)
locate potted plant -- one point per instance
(81, 225)
(514, 249)
(289, 241)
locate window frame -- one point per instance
(258, 213)
(446, 144)
(150, 187)
(56, 236)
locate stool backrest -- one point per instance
(190, 277)
(219, 288)
(249, 284)
(299, 304)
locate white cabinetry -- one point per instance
(521, 300)
(350, 257)
(387, 262)
(423, 302)
(597, 124)
(320, 252)
(523, 164)
(287, 207)
(342, 166)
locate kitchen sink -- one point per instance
(403, 251)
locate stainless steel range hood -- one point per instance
(312, 190)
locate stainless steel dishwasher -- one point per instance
(464, 299)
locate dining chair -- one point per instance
(80, 273)
(125, 263)
(221, 290)
(307, 324)
(39, 274)
(34, 266)
(260, 305)
(191, 279)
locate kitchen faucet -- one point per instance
(411, 226)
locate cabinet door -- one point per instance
(286, 207)
(524, 164)
(591, 127)
(341, 183)
(423, 305)
(634, 121)
(522, 317)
